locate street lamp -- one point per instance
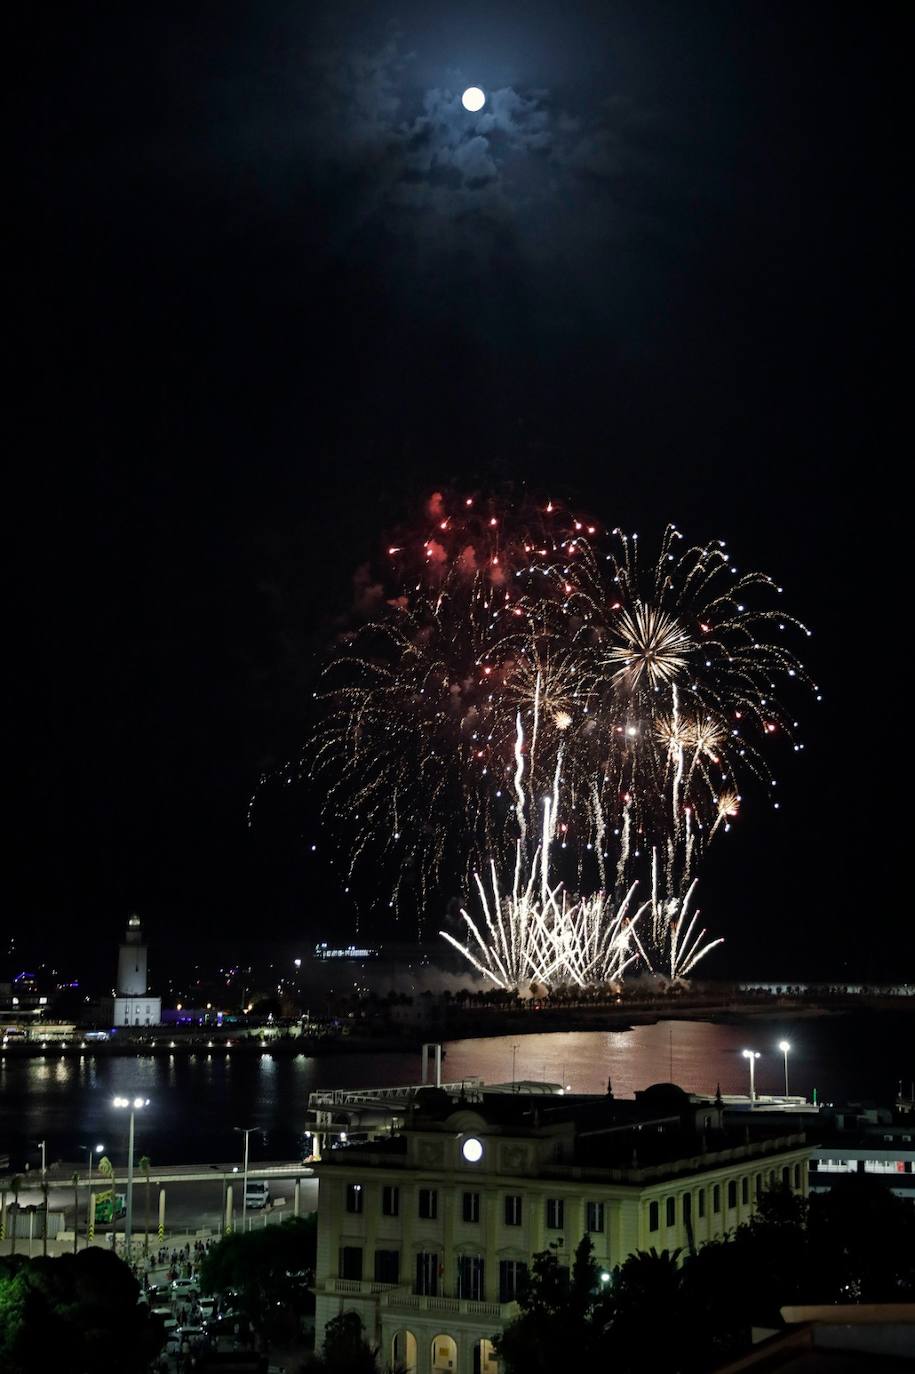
(245, 1131)
(133, 1105)
(42, 1145)
(752, 1056)
(90, 1151)
(784, 1046)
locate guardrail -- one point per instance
(339, 1097)
(414, 1302)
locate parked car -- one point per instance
(207, 1308)
(182, 1288)
(192, 1334)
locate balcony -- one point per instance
(402, 1300)
(364, 1288)
(398, 1298)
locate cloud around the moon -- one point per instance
(439, 178)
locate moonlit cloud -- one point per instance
(417, 164)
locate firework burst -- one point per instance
(520, 653)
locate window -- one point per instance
(390, 1201)
(687, 1208)
(470, 1278)
(595, 1216)
(387, 1266)
(786, 1176)
(732, 1192)
(797, 1175)
(428, 1204)
(758, 1186)
(555, 1214)
(716, 1197)
(427, 1266)
(700, 1199)
(671, 1211)
(471, 1207)
(745, 1190)
(354, 1198)
(351, 1262)
(512, 1209)
(512, 1274)
(652, 1216)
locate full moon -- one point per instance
(473, 99)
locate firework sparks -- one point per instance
(547, 938)
(654, 646)
(682, 945)
(521, 653)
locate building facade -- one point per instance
(428, 1234)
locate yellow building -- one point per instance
(427, 1234)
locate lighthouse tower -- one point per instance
(132, 961)
(131, 1005)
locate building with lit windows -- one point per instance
(428, 1232)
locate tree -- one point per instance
(648, 1283)
(77, 1313)
(862, 1240)
(556, 1315)
(269, 1270)
(145, 1165)
(345, 1349)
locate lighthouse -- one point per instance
(132, 1005)
(132, 961)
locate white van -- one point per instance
(257, 1194)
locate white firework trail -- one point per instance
(519, 775)
(539, 934)
(624, 843)
(549, 937)
(678, 944)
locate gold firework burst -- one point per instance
(674, 734)
(706, 737)
(655, 646)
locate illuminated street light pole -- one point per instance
(752, 1056)
(785, 1046)
(42, 1145)
(245, 1131)
(133, 1105)
(90, 1151)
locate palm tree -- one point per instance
(15, 1185)
(145, 1165)
(106, 1171)
(75, 1181)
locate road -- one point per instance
(192, 1203)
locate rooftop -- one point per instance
(658, 1133)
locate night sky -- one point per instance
(270, 286)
